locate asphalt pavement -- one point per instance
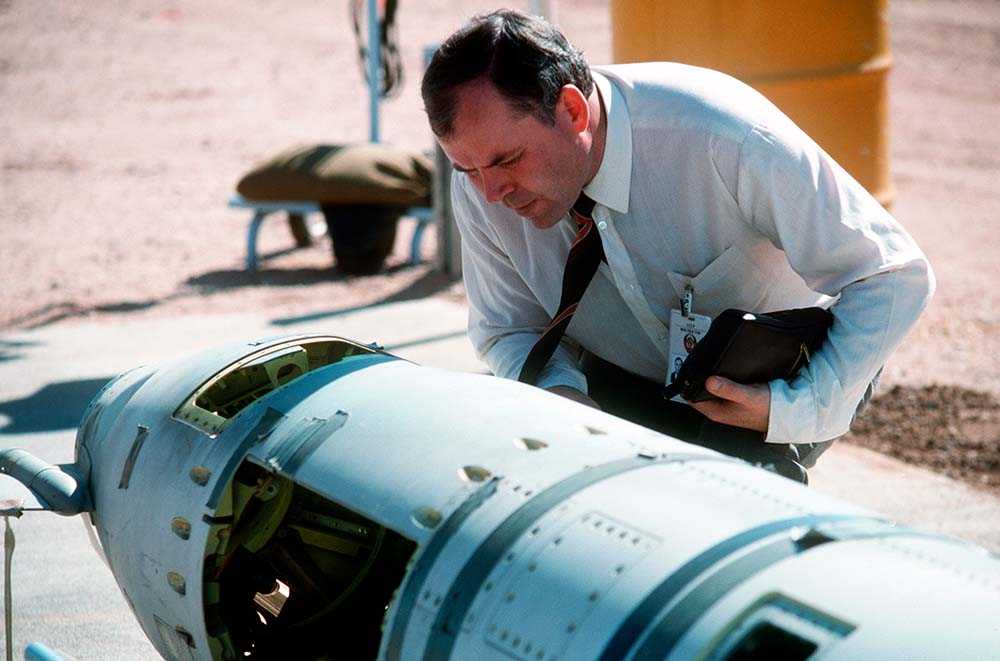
(66, 598)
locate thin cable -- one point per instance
(8, 600)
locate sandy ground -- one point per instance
(125, 125)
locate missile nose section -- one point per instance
(65, 489)
(218, 557)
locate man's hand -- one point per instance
(747, 406)
(575, 395)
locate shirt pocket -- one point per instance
(734, 279)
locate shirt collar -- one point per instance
(610, 186)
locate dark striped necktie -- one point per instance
(585, 255)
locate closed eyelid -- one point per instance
(502, 161)
(512, 160)
(516, 156)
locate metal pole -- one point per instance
(545, 9)
(449, 258)
(374, 69)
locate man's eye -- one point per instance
(511, 163)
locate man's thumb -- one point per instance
(722, 387)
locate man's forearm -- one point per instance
(506, 354)
(575, 395)
(871, 319)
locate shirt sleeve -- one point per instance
(843, 243)
(505, 318)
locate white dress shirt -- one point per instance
(705, 183)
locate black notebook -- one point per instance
(751, 348)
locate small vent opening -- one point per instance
(767, 641)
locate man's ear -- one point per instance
(572, 107)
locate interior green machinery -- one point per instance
(286, 569)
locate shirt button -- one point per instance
(602, 225)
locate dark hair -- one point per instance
(526, 58)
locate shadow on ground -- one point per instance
(12, 349)
(207, 283)
(54, 407)
(237, 278)
(50, 314)
(426, 285)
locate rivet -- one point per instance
(570, 628)
(619, 569)
(488, 586)
(557, 541)
(426, 517)
(177, 582)
(510, 597)
(200, 475)
(593, 596)
(517, 641)
(474, 473)
(530, 444)
(181, 527)
(503, 635)
(533, 566)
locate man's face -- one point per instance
(516, 159)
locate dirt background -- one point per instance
(125, 125)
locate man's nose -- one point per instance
(496, 185)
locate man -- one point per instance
(703, 191)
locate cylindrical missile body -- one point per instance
(471, 517)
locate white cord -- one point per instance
(8, 553)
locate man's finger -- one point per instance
(723, 388)
(713, 410)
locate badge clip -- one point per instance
(687, 302)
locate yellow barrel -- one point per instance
(825, 63)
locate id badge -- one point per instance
(685, 333)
